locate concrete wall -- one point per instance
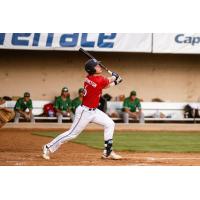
(44, 73)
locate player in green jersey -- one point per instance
(77, 101)
(23, 108)
(62, 105)
(132, 108)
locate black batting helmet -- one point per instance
(90, 66)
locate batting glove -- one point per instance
(115, 75)
(118, 81)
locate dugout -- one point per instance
(171, 77)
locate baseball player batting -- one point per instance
(88, 112)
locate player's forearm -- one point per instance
(18, 110)
(21, 112)
(112, 83)
(116, 82)
(58, 110)
(127, 110)
(111, 79)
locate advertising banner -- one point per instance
(106, 42)
(176, 43)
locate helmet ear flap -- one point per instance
(91, 71)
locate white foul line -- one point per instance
(154, 159)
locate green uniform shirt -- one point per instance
(62, 105)
(132, 105)
(22, 105)
(75, 103)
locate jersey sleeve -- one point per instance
(30, 106)
(17, 105)
(56, 104)
(104, 82)
(125, 104)
(73, 105)
(139, 105)
(69, 103)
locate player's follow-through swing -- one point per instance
(88, 111)
(101, 64)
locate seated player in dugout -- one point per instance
(88, 112)
(76, 102)
(62, 105)
(23, 108)
(5, 114)
(132, 108)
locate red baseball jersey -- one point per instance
(93, 86)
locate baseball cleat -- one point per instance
(46, 153)
(112, 156)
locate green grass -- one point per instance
(141, 141)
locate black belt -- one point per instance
(90, 109)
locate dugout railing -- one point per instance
(153, 111)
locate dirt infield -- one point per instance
(21, 148)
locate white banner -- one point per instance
(114, 42)
(176, 43)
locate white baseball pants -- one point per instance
(83, 117)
